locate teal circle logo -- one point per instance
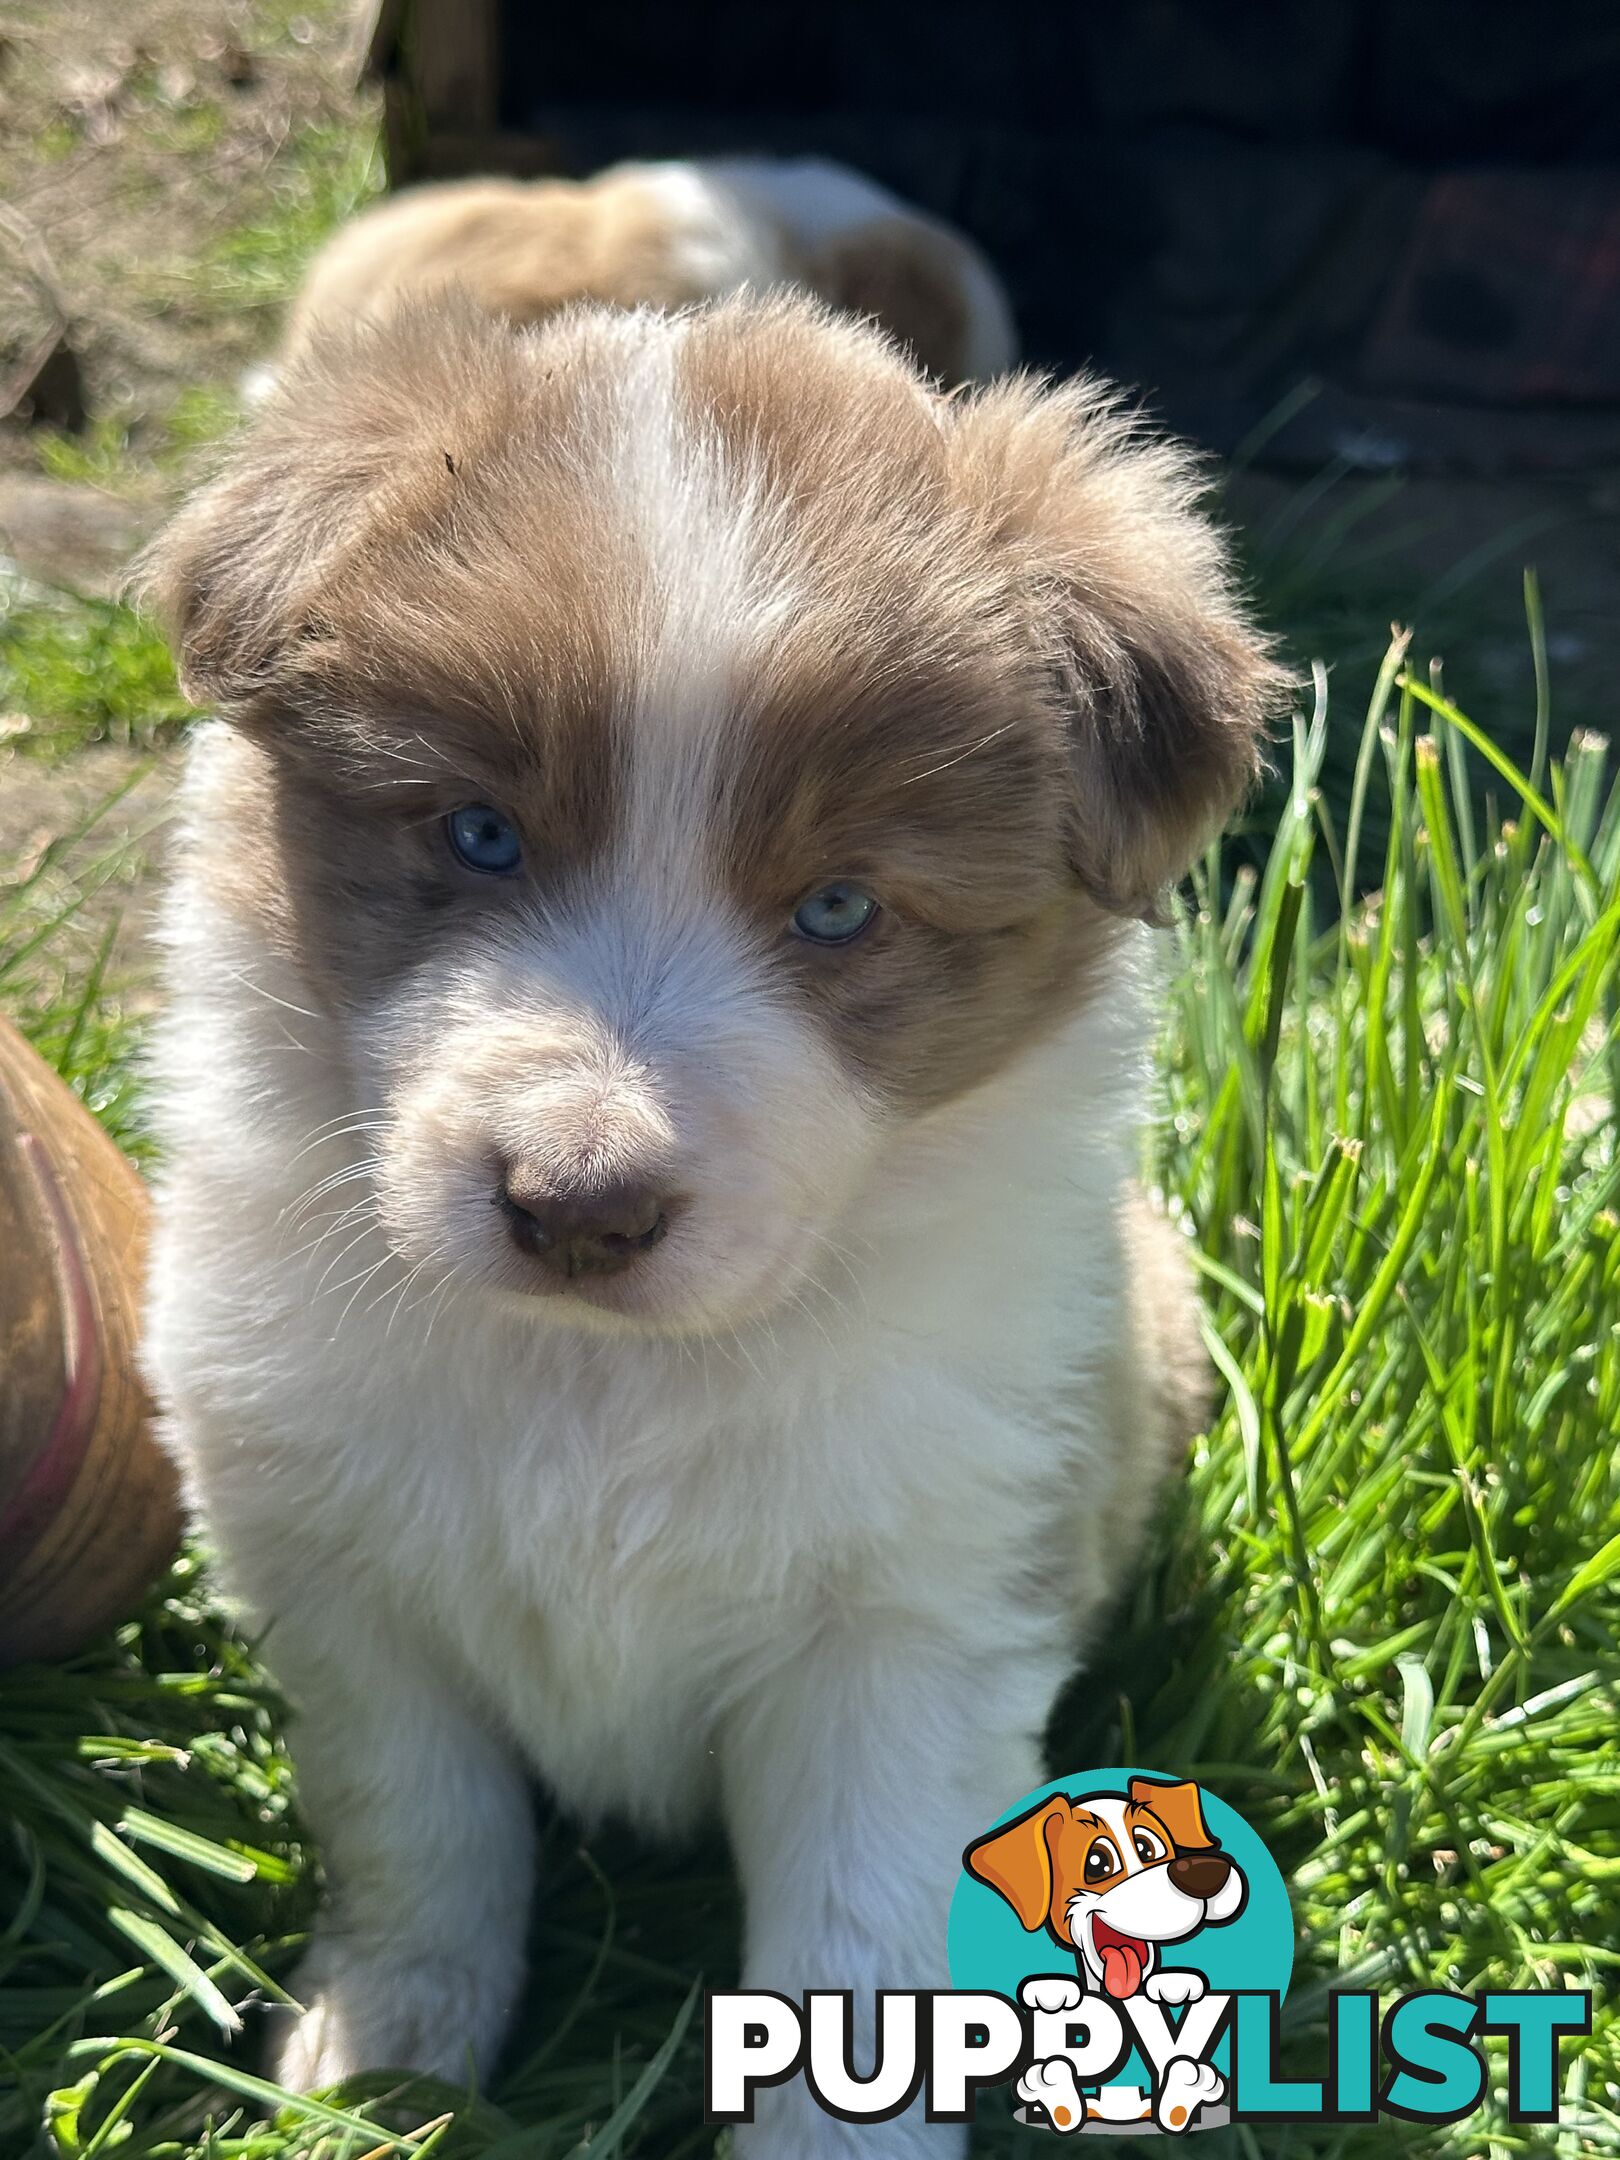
(1119, 1902)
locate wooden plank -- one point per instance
(440, 69)
(448, 154)
(402, 144)
(452, 55)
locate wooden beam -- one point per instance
(452, 55)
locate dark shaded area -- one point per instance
(1417, 205)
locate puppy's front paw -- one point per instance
(1175, 1986)
(1052, 2085)
(1186, 2087)
(392, 2008)
(1051, 1992)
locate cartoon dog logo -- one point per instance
(1112, 1877)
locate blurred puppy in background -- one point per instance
(666, 236)
(651, 1288)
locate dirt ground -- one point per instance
(165, 167)
(158, 159)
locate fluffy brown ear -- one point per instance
(361, 439)
(231, 579)
(1016, 1861)
(1166, 685)
(1178, 1808)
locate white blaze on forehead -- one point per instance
(1112, 1812)
(710, 546)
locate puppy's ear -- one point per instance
(1017, 1862)
(231, 579)
(1165, 685)
(1178, 1807)
(358, 444)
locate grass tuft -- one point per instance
(1394, 1134)
(76, 669)
(326, 175)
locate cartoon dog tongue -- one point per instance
(1122, 1962)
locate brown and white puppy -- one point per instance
(650, 1287)
(666, 236)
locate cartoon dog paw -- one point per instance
(1185, 2087)
(1052, 2085)
(1176, 1986)
(1052, 1993)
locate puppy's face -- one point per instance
(679, 751)
(1113, 1876)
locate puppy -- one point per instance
(649, 1287)
(667, 235)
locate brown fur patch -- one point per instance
(402, 590)
(897, 734)
(1167, 687)
(525, 250)
(987, 686)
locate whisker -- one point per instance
(295, 1209)
(412, 1275)
(338, 1258)
(270, 998)
(439, 1299)
(341, 1128)
(360, 1285)
(743, 1353)
(801, 1304)
(961, 756)
(335, 1228)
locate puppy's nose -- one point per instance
(1200, 1874)
(594, 1232)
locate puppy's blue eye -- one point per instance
(484, 839)
(835, 914)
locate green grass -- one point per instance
(56, 978)
(327, 173)
(76, 669)
(1384, 1614)
(104, 455)
(84, 669)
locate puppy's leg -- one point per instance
(853, 1778)
(424, 1826)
